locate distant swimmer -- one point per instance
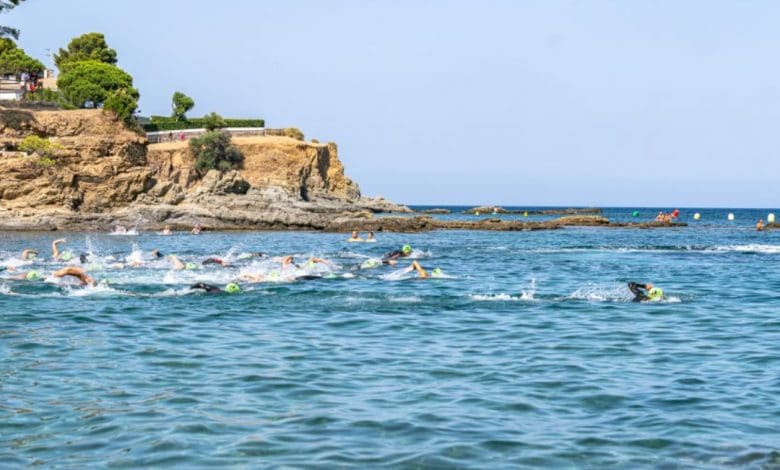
(205, 287)
(166, 230)
(231, 288)
(355, 237)
(760, 225)
(645, 292)
(196, 229)
(370, 238)
(289, 261)
(404, 252)
(218, 261)
(29, 254)
(78, 273)
(120, 229)
(157, 254)
(177, 264)
(422, 273)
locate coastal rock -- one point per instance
(436, 211)
(484, 210)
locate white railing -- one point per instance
(186, 134)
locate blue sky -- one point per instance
(663, 103)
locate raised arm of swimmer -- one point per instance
(176, 262)
(29, 254)
(421, 272)
(55, 251)
(78, 273)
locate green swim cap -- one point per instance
(232, 288)
(190, 266)
(655, 293)
(66, 256)
(273, 275)
(33, 276)
(406, 249)
(370, 263)
(436, 272)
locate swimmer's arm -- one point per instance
(55, 251)
(176, 262)
(320, 260)
(26, 253)
(420, 271)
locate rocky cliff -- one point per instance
(102, 174)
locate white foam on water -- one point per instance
(597, 293)
(406, 299)
(749, 248)
(493, 297)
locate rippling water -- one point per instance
(528, 354)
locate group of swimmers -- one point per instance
(667, 218)
(287, 269)
(355, 237)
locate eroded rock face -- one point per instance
(99, 165)
(105, 174)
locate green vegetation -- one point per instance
(90, 46)
(214, 150)
(181, 104)
(32, 144)
(14, 61)
(5, 6)
(294, 132)
(213, 121)
(165, 123)
(92, 83)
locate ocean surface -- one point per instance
(527, 353)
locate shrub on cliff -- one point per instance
(180, 104)
(32, 144)
(293, 132)
(214, 151)
(213, 121)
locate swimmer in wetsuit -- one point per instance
(404, 252)
(645, 292)
(205, 287)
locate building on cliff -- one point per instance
(13, 87)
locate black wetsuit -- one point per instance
(212, 261)
(206, 287)
(639, 292)
(393, 255)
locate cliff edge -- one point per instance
(103, 174)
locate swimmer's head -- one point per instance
(66, 256)
(157, 254)
(437, 272)
(655, 293)
(33, 276)
(370, 263)
(406, 249)
(83, 258)
(232, 288)
(190, 265)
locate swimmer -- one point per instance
(218, 261)
(78, 273)
(645, 292)
(355, 237)
(760, 225)
(30, 276)
(196, 229)
(83, 258)
(288, 260)
(254, 254)
(120, 229)
(404, 252)
(157, 254)
(205, 287)
(166, 230)
(29, 254)
(422, 273)
(370, 238)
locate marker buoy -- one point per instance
(770, 218)
(525, 214)
(635, 214)
(731, 216)
(696, 216)
(476, 213)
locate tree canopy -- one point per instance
(6, 5)
(90, 82)
(13, 60)
(213, 121)
(214, 150)
(89, 46)
(180, 104)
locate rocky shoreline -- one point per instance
(103, 175)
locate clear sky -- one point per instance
(658, 103)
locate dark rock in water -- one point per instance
(436, 211)
(484, 210)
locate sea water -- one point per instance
(528, 352)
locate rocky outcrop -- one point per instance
(483, 210)
(103, 174)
